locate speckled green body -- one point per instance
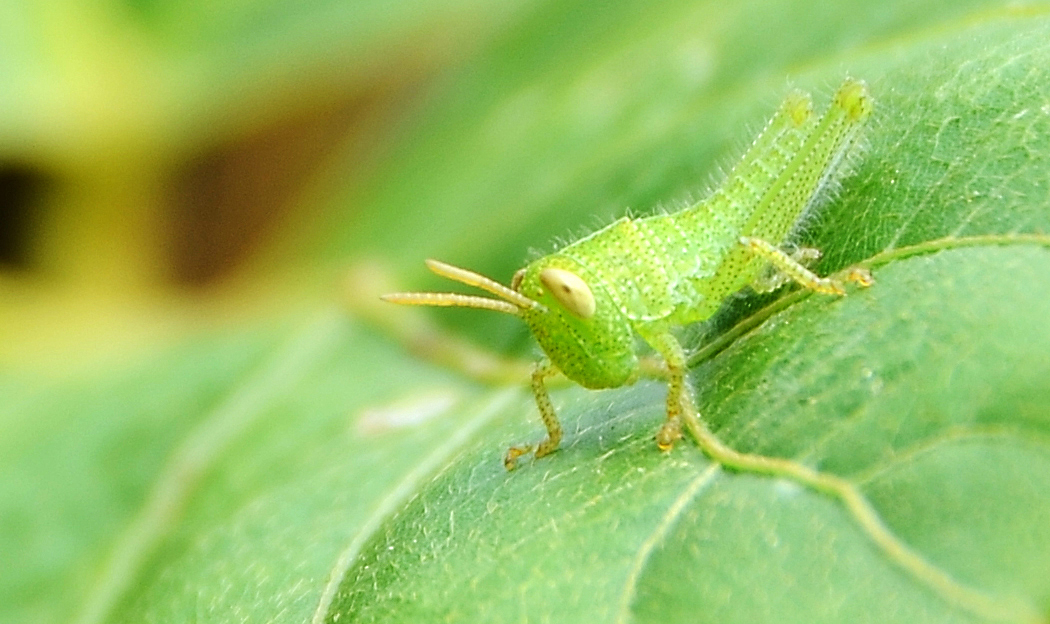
(587, 303)
(650, 274)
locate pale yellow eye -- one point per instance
(571, 291)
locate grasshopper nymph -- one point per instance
(586, 302)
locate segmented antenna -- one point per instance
(512, 302)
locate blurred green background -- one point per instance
(199, 420)
(156, 156)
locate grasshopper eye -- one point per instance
(571, 291)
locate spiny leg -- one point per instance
(652, 367)
(543, 370)
(791, 267)
(772, 278)
(678, 395)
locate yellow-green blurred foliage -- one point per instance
(152, 152)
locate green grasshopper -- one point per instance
(586, 302)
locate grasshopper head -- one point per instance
(577, 324)
(579, 327)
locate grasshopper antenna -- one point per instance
(510, 302)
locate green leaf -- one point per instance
(316, 470)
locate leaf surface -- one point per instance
(318, 471)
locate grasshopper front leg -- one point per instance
(543, 370)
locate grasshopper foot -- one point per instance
(857, 275)
(669, 433)
(860, 276)
(510, 460)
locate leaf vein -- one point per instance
(403, 491)
(191, 460)
(659, 534)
